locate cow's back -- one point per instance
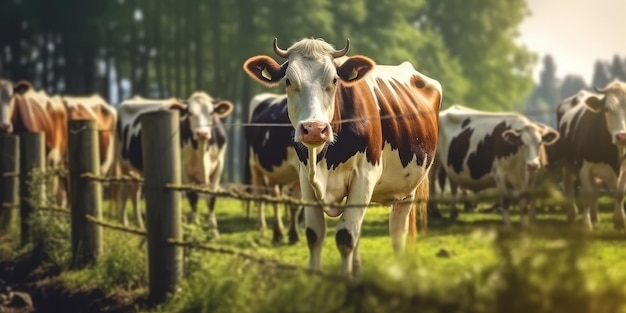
(96, 108)
(36, 111)
(128, 131)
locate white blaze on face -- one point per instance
(311, 86)
(200, 110)
(615, 113)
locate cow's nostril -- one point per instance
(305, 131)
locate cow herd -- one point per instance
(360, 132)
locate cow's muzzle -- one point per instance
(533, 166)
(620, 138)
(6, 129)
(202, 135)
(315, 133)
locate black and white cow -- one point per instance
(593, 147)
(480, 150)
(203, 144)
(272, 160)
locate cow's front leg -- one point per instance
(137, 207)
(348, 233)
(192, 197)
(569, 187)
(315, 234)
(294, 211)
(213, 228)
(619, 219)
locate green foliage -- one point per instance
(51, 232)
(481, 34)
(123, 264)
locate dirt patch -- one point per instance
(29, 274)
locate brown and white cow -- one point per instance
(26, 110)
(480, 150)
(203, 145)
(593, 147)
(363, 132)
(96, 108)
(272, 160)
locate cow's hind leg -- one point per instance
(192, 197)
(294, 236)
(137, 206)
(279, 228)
(399, 223)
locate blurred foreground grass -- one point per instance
(471, 265)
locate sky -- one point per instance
(575, 32)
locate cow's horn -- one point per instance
(280, 52)
(342, 52)
(600, 90)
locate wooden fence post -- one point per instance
(161, 166)
(9, 180)
(85, 194)
(33, 156)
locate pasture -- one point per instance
(470, 265)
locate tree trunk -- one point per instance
(160, 50)
(199, 47)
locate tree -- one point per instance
(601, 75)
(618, 68)
(548, 83)
(480, 34)
(571, 85)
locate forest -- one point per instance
(163, 48)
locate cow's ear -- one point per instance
(180, 106)
(222, 108)
(512, 137)
(265, 70)
(550, 137)
(21, 87)
(595, 104)
(355, 68)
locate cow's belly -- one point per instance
(465, 180)
(392, 182)
(592, 171)
(282, 174)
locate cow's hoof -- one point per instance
(293, 237)
(277, 238)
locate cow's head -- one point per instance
(311, 76)
(202, 110)
(531, 138)
(7, 102)
(611, 100)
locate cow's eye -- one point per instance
(334, 81)
(287, 82)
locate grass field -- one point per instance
(471, 265)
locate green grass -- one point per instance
(485, 267)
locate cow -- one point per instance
(272, 162)
(592, 148)
(480, 150)
(359, 127)
(203, 146)
(26, 110)
(94, 107)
